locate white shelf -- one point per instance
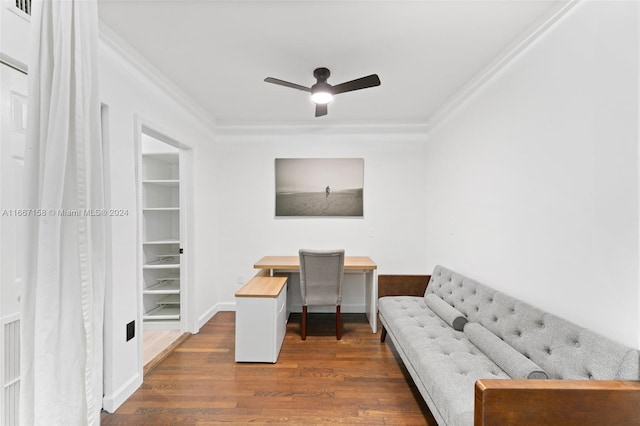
(167, 241)
(161, 266)
(171, 286)
(163, 261)
(169, 278)
(172, 299)
(163, 313)
(167, 182)
(160, 198)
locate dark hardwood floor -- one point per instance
(320, 381)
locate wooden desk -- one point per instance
(352, 264)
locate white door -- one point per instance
(13, 123)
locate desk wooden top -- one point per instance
(351, 263)
(261, 286)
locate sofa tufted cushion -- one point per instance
(447, 363)
(448, 313)
(516, 365)
(415, 327)
(562, 349)
(450, 378)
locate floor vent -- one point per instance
(24, 5)
(11, 371)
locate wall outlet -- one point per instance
(241, 280)
(131, 330)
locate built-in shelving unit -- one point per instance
(161, 248)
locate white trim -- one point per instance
(12, 62)
(161, 132)
(130, 55)
(345, 308)
(328, 129)
(138, 125)
(9, 318)
(11, 5)
(638, 167)
(110, 403)
(231, 307)
(501, 62)
(211, 312)
(110, 39)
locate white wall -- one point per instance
(243, 179)
(532, 184)
(132, 97)
(204, 233)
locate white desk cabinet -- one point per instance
(261, 319)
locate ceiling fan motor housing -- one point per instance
(321, 92)
(321, 74)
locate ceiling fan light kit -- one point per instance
(322, 92)
(321, 95)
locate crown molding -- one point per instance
(111, 39)
(229, 129)
(508, 55)
(123, 49)
(505, 58)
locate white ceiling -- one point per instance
(219, 52)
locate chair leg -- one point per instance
(338, 323)
(304, 323)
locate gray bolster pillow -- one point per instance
(448, 313)
(512, 362)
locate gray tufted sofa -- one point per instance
(445, 363)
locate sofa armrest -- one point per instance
(402, 285)
(556, 402)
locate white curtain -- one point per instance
(62, 302)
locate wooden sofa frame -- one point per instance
(556, 402)
(503, 402)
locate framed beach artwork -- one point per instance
(319, 187)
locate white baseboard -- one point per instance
(350, 308)
(219, 307)
(345, 308)
(111, 403)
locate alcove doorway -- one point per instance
(162, 235)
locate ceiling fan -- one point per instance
(322, 92)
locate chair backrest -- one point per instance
(321, 276)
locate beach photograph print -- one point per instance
(319, 187)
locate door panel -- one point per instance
(13, 126)
(13, 92)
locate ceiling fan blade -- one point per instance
(286, 84)
(360, 83)
(321, 109)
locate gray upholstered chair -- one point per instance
(321, 276)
